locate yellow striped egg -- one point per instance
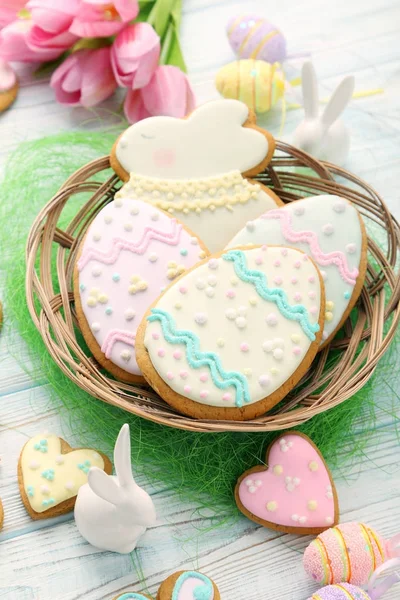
(254, 37)
(255, 82)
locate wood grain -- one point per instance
(48, 559)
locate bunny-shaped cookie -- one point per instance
(112, 513)
(197, 168)
(324, 136)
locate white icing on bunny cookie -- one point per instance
(193, 168)
(132, 251)
(327, 228)
(236, 328)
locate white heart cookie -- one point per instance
(131, 252)
(331, 231)
(50, 472)
(230, 338)
(196, 168)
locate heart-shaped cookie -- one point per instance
(331, 231)
(183, 585)
(232, 336)
(295, 493)
(50, 474)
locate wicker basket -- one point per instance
(292, 175)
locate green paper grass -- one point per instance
(202, 467)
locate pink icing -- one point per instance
(290, 493)
(117, 335)
(118, 244)
(164, 157)
(186, 591)
(311, 238)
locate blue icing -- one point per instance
(30, 491)
(297, 312)
(204, 591)
(41, 446)
(48, 474)
(197, 359)
(347, 295)
(85, 466)
(48, 502)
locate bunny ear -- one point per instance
(122, 456)
(310, 90)
(338, 102)
(103, 485)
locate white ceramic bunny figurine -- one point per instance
(325, 137)
(112, 512)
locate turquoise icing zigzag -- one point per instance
(296, 312)
(203, 591)
(197, 359)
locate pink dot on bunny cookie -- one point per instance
(164, 157)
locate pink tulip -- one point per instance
(8, 77)
(9, 10)
(168, 93)
(85, 78)
(51, 22)
(13, 44)
(101, 18)
(134, 55)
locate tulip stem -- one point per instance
(166, 45)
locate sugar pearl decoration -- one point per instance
(126, 355)
(271, 319)
(231, 314)
(60, 459)
(272, 506)
(108, 219)
(351, 248)
(241, 322)
(129, 314)
(200, 284)
(328, 229)
(278, 470)
(312, 505)
(210, 292)
(244, 347)
(339, 206)
(95, 327)
(213, 264)
(128, 226)
(201, 318)
(278, 354)
(153, 257)
(264, 380)
(298, 210)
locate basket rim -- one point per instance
(59, 337)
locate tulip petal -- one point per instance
(134, 107)
(98, 79)
(8, 77)
(168, 93)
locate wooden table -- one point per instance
(48, 560)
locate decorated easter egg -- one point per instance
(342, 591)
(131, 252)
(232, 336)
(331, 231)
(254, 37)
(256, 83)
(350, 552)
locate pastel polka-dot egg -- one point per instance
(248, 350)
(132, 252)
(330, 230)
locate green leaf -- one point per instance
(162, 12)
(48, 67)
(174, 55)
(176, 13)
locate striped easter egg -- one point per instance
(254, 37)
(255, 82)
(342, 591)
(350, 552)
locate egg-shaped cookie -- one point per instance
(230, 338)
(331, 231)
(131, 252)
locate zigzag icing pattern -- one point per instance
(117, 335)
(118, 244)
(197, 359)
(310, 237)
(258, 279)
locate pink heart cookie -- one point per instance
(295, 493)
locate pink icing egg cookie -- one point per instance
(225, 341)
(132, 251)
(295, 494)
(350, 552)
(196, 168)
(331, 231)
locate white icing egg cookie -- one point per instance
(234, 335)
(332, 232)
(196, 168)
(131, 252)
